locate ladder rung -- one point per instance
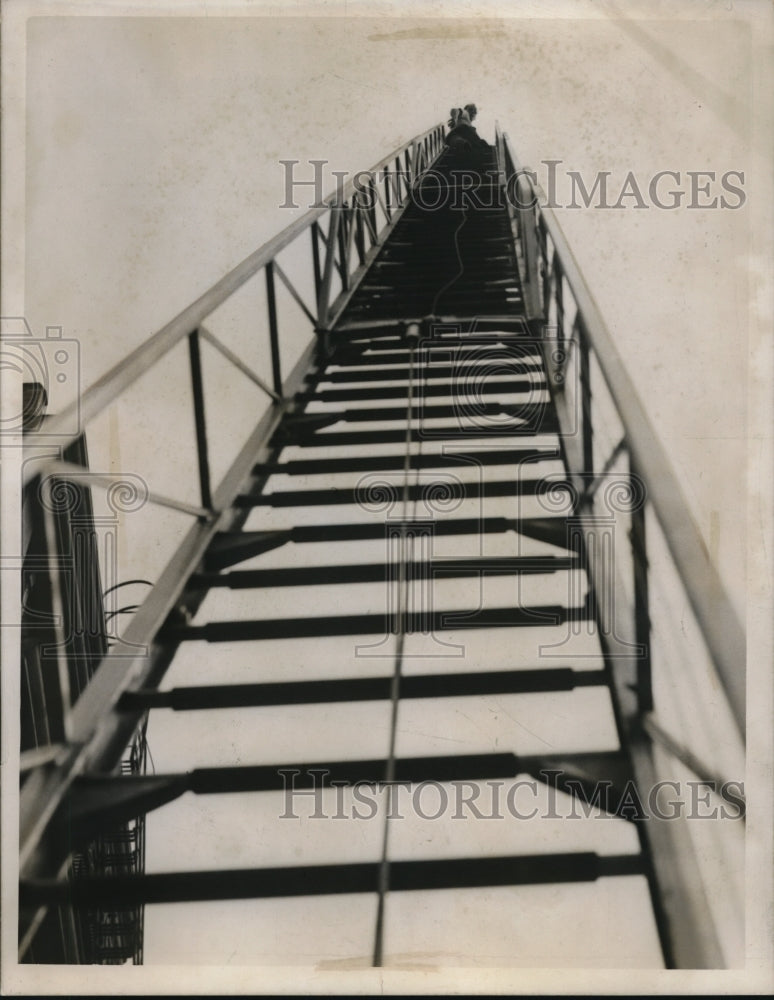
(501, 340)
(426, 411)
(478, 258)
(402, 289)
(374, 312)
(292, 576)
(446, 329)
(415, 491)
(372, 624)
(553, 530)
(462, 302)
(314, 880)
(364, 333)
(218, 696)
(547, 425)
(92, 796)
(229, 548)
(99, 798)
(455, 390)
(379, 463)
(457, 372)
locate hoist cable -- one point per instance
(412, 337)
(402, 604)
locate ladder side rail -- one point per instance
(521, 205)
(711, 604)
(618, 482)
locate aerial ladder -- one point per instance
(449, 547)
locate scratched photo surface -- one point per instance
(563, 421)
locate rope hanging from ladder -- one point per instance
(412, 336)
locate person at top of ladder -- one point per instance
(462, 137)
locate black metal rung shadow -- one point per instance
(316, 880)
(376, 349)
(373, 624)
(481, 263)
(468, 395)
(458, 372)
(449, 491)
(485, 290)
(347, 573)
(464, 409)
(391, 348)
(228, 548)
(326, 774)
(414, 234)
(97, 799)
(543, 423)
(375, 310)
(486, 282)
(386, 463)
(387, 332)
(219, 696)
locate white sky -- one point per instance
(153, 167)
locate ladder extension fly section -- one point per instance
(433, 575)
